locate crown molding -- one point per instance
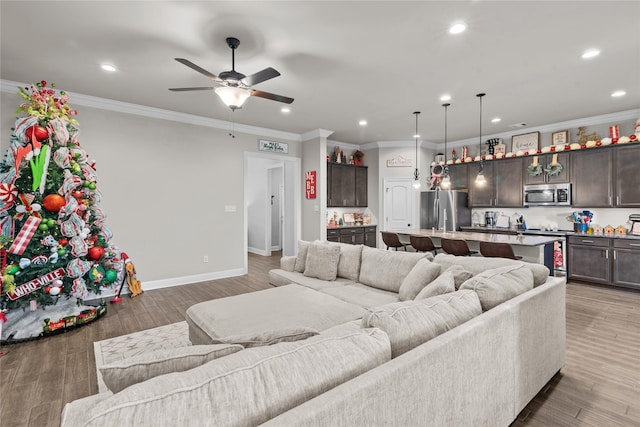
(316, 133)
(9, 86)
(346, 145)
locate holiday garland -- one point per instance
(54, 241)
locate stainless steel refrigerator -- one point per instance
(446, 210)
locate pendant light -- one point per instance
(416, 172)
(446, 180)
(480, 179)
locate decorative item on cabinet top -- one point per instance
(338, 156)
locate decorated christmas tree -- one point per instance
(55, 243)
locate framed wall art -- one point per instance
(273, 146)
(560, 138)
(525, 142)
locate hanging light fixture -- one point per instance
(446, 180)
(233, 96)
(480, 179)
(416, 172)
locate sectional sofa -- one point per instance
(352, 336)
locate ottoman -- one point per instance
(269, 313)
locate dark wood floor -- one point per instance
(599, 386)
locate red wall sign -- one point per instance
(310, 185)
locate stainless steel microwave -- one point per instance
(547, 195)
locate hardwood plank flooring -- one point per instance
(599, 385)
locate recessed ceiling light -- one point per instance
(618, 93)
(590, 53)
(285, 109)
(457, 28)
(445, 97)
(108, 67)
(495, 120)
(362, 122)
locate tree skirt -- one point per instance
(25, 325)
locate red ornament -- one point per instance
(37, 132)
(553, 148)
(598, 143)
(77, 194)
(632, 138)
(614, 140)
(63, 242)
(567, 147)
(53, 202)
(95, 253)
(583, 145)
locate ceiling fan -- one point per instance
(235, 87)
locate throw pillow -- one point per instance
(127, 372)
(443, 284)
(500, 284)
(423, 273)
(322, 261)
(459, 274)
(412, 323)
(263, 338)
(301, 257)
(349, 263)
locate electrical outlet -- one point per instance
(206, 258)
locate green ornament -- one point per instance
(62, 252)
(96, 273)
(86, 183)
(111, 276)
(13, 269)
(92, 186)
(43, 227)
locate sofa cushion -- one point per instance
(279, 277)
(288, 263)
(459, 275)
(133, 370)
(301, 256)
(443, 284)
(322, 261)
(275, 309)
(423, 273)
(248, 387)
(412, 323)
(349, 262)
(269, 337)
(386, 269)
(362, 295)
(500, 284)
(477, 265)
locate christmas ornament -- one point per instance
(38, 133)
(95, 253)
(24, 235)
(96, 273)
(53, 202)
(111, 276)
(8, 192)
(35, 284)
(54, 291)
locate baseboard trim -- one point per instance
(256, 251)
(188, 280)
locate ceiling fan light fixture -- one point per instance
(416, 172)
(233, 97)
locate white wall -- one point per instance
(165, 187)
(259, 204)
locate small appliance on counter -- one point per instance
(634, 219)
(503, 221)
(490, 218)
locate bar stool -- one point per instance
(392, 240)
(497, 250)
(423, 244)
(457, 247)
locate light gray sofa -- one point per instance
(473, 356)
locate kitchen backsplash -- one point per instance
(555, 218)
(337, 213)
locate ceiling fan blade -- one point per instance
(260, 76)
(182, 89)
(272, 96)
(197, 68)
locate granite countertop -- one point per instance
(350, 226)
(538, 232)
(516, 240)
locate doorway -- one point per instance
(399, 204)
(271, 204)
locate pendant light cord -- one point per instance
(446, 106)
(416, 173)
(480, 95)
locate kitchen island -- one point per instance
(536, 249)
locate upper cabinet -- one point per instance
(592, 178)
(544, 160)
(503, 186)
(626, 160)
(346, 185)
(459, 175)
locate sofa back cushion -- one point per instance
(477, 265)
(349, 263)
(386, 269)
(122, 374)
(248, 387)
(423, 273)
(412, 323)
(500, 284)
(443, 284)
(322, 261)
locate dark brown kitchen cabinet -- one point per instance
(347, 185)
(564, 158)
(503, 186)
(588, 259)
(626, 160)
(592, 178)
(353, 235)
(626, 263)
(459, 175)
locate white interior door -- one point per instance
(399, 204)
